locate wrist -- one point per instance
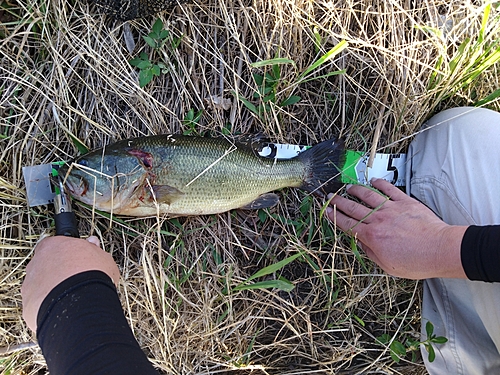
(449, 260)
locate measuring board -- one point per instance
(390, 167)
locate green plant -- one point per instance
(432, 339)
(268, 93)
(279, 283)
(399, 350)
(191, 120)
(473, 57)
(156, 39)
(147, 69)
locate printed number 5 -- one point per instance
(393, 168)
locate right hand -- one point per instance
(400, 234)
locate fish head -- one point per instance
(104, 178)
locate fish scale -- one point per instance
(187, 175)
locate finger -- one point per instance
(371, 197)
(350, 208)
(344, 222)
(388, 189)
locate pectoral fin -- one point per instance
(264, 201)
(165, 194)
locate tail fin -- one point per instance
(324, 163)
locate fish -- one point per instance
(183, 175)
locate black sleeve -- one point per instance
(82, 330)
(480, 253)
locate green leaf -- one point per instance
(258, 79)
(145, 76)
(262, 214)
(383, 339)
(190, 115)
(247, 104)
(164, 34)
(484, 23)
(276, 61)
(398, 348)
(175, 43)
(155, 69)
(274, 267)
(359, 320)
(272, 79)
(150, 41)
(157, 26)
(439, 340)
(431, 30)
(270, 98)
(82, 149)
(135, 62)
(436, 75)
(317, 39)
(432, 354)
(395, 357)
(267, 284)
(144, 64)
(459, 55)
(354, 249)
(276, 72)
(429, 329)
(491, 97)
(291, 100)
(326, 57)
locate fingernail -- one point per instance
(348, 187)
(374, 179)
(94, 240)
(329, 210)
(329, 196)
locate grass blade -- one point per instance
(326, 57)
(274, 267)
(276, 61)
(267, 284)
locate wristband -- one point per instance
(480, 253)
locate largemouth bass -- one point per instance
(185, 175)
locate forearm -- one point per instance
(82, 329)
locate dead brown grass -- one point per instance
(64, 72)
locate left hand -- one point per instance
(55, 260)
(400, 234)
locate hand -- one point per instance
(400, 234)
(55, 260)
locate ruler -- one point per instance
(390, 167)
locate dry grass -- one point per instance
(64, 71)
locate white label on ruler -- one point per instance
(390, 167)
(280, 151)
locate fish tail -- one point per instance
(324, 163)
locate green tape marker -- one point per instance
(349, 174)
